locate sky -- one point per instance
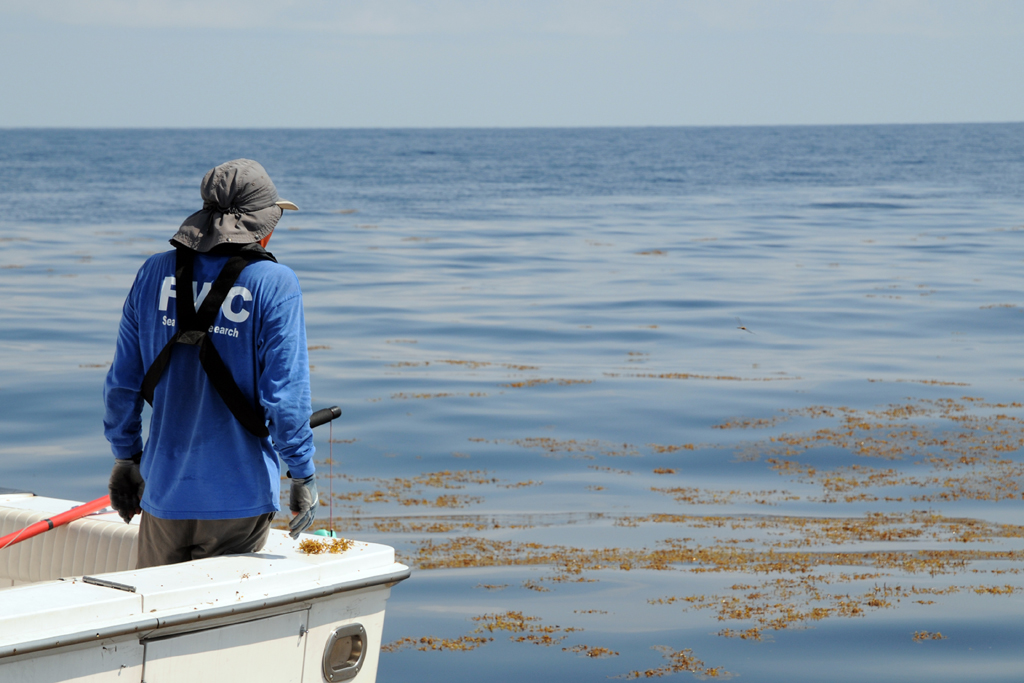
(481, 63)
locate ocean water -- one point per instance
(675, 402)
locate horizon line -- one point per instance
(523, 127)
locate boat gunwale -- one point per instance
(156, 623)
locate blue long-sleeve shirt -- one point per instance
(199, 461)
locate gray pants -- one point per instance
(169, 541)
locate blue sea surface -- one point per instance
(595, 341)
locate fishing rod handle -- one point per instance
(324, 416)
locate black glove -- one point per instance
(126, 487)
(304, 500)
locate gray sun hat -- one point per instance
(240, 206)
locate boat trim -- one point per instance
(108, 584)
(207, 615)
(220, 622)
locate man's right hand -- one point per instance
(126, 488)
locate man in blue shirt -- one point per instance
(213, 336)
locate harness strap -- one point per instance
(193, 327)
(234, 399)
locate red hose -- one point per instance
(61, 519)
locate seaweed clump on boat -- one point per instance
(312, 546)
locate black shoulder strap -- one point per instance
(193, 327)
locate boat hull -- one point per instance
(277, 615)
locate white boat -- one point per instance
(74, 608)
